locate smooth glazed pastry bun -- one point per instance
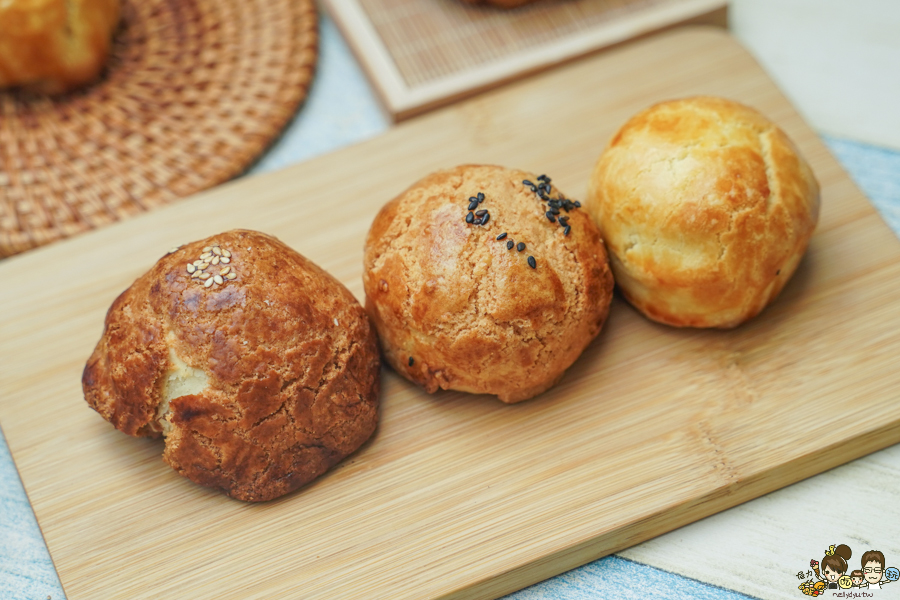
(706, 208)
(485, 280)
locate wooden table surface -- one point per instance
(740, 392)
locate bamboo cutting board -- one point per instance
(458, 496)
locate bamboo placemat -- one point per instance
(194, 91)
(423, 53)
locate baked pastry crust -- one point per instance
(289, 357)
(53, 46)
(501, 3)
(456, 309)
(706, 208)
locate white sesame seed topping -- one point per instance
(212, 255)
(336, 323)
(174, 249)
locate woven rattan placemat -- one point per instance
(194, 91)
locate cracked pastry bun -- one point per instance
(474, 284)
(258, 367)
(53, 46)
(706, 208)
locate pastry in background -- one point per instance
(706, 207)
(485, 280)
(53, 46)
(501, 3)
(258, 367)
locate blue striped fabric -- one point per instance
(26, 571)
(876, 171)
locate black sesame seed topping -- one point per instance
(520, 246)
(479, 217)
(411, 361)
(532, 263)
(501, 236)
(778, 272)
(510, 244)
(554, 205)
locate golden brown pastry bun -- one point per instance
(259, 368)
(706, 208)
(489, 297)
(501, 3)
(53, 46)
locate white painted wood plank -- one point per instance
(758, 547)
(838, 61)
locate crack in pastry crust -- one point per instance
(287, 393)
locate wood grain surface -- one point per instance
(777, 535)
(458, 496)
